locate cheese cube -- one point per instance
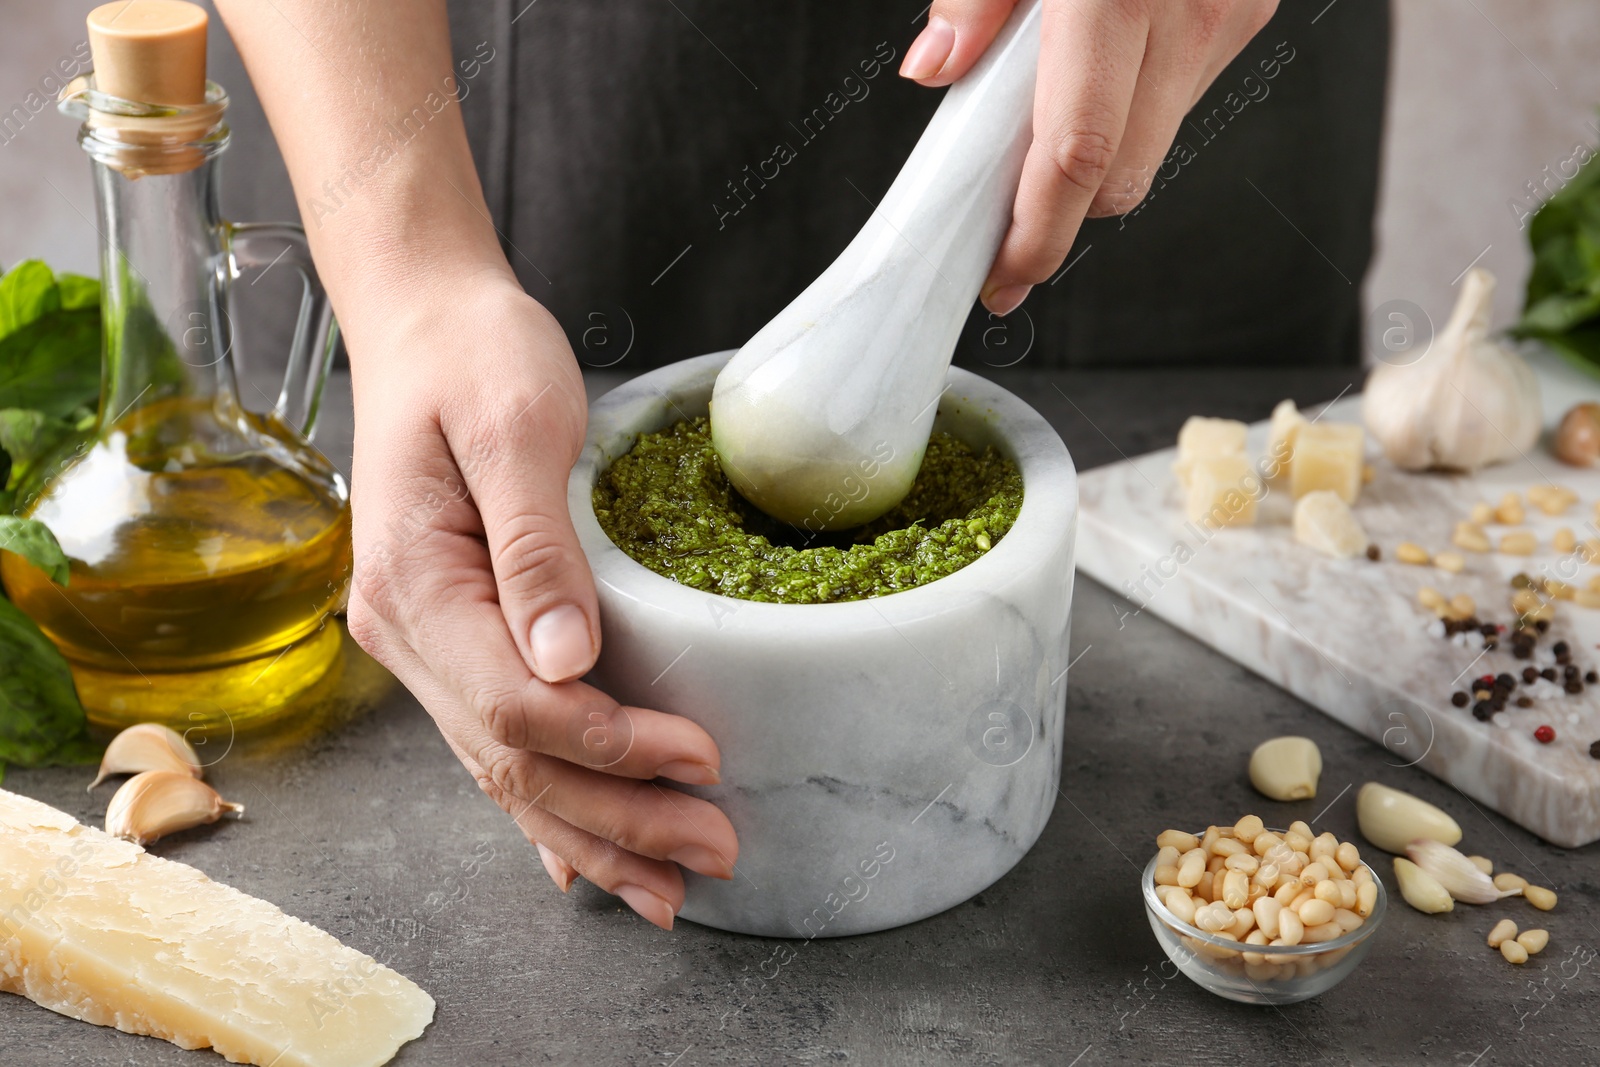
(1223, 491)
(100, 930)
(1324, 522)
(1203, 438)
(1285, 424)
(1328, 455)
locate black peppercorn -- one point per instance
(1530, 674)
(1594, 749)
(1542, 625)
(1560, 648)
(1374, 552)
(1524, 702)
(1503, 679)
(1569, 673)
(1548, 674)
(1482, 711)
(1522, 652)
(1591, 677)
(1460, 700)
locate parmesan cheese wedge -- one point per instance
(100, 930)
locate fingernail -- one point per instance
(928, 53)
(562, 647)
(560, 873)
(702, 860)
(652, 908)
(1007, 298)
(689, 772)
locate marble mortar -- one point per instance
(883, 759)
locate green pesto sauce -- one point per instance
(667, 504)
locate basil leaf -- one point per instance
(41, 720)
(26, 435)
(1561, 306)
(33, 541)
(53, 363)
(78, 291)
(28, 292)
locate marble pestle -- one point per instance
(822, 418)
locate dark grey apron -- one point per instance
(667, 174)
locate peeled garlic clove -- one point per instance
(1578, 437)
(1420, 889)
(1467, 402)
(149, 746)
(1392, 820)
(1461, 878)
(152, 804)
(1286, 768)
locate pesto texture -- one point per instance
(667, 504)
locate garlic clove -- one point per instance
(1392, 819)
(1469, 401)
(152, 804)
(1286, 768)
(1420, 889)
(1578, 437)
(1461, 878)
(149, 746)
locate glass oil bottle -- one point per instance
(208, 544)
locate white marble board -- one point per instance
(1349, 637)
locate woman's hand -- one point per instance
(1116, 77)
(470, 586)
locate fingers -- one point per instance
(957, 33)
(651, 888)
(1080, 113)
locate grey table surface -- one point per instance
(372, 831)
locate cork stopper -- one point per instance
(152, 51)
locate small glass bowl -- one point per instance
(1286, 974)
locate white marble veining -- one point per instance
(1348, 635)
(838, 390)
(883, 759)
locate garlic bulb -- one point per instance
(1467, 403)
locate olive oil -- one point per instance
(191, 575)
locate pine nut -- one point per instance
(1266, 876)
(1166, 874)
(1206, 888)
(1348, 894)
(1513, 952)
(1265, 842)
(1177, 839)
(1483, 863)
(1244, 920)
(1506, 880)
(1510, 512)
(1213, 918)
(1229, 846)
(1192, 867)
(1315, 872)
(1297, 841)
(1463, 606)
(1267, 911)
(1470, 537)
(1290, 928)
(1504, 930)
(1482, 512)
(1327, 890)
(1322, 932)
(1286, 892)
(1526, 602)
(1540, 897)
(1214, 864)
(1248, 828)
(1361, 876)
(1585, 599)
(1366, 898)
(1453, 562)
(1305, 896)
(1182, 906)
(1534, 941)
(1559, 589)
(1256, 892)
(1315, 912)
(1347, 856)
(1323, 847)
(1212, 836)
(1563, 540)
(1431, 598)
(1235, 889)
(1299, 826)
(1407, 552)
(1521, 543)
(1242, 861)
(1348, 920)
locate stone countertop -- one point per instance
(373, 832)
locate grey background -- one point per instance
(372, 831)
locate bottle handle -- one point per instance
(316, 331)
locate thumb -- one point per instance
(545, 588)
(957, 33)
